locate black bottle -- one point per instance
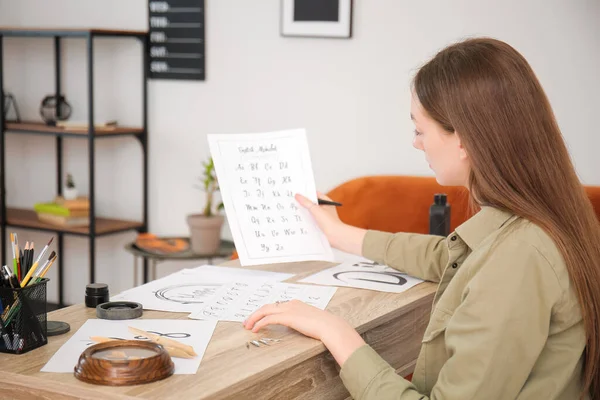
(439, 216)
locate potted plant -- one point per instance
(205, 228)
(70, 191)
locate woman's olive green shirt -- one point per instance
(505, 324)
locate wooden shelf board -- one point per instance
(20, 31)
(28, 219)
(35, 127)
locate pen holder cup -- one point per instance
(23, 321)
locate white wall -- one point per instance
(351, 95)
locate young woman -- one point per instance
(517, 311)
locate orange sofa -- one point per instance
(401, 203)
(396, 203)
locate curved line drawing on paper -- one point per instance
(397, 275)
(170, 335)
(194, 293)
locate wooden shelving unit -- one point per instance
(41, 129)
(98, 226)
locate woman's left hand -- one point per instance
(335, 333)
(306, 319)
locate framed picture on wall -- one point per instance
(316, 18)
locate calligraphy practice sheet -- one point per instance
(241, 273)
(189, 289)
(359, 272)
(259, 175)
(236, 301)
(193, 333)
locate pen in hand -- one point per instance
(329, 203)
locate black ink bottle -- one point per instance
(439, 216)
(96, 293)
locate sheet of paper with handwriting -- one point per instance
(259, 175)
(188, 290)
(237, 300)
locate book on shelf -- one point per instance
(61, 220)
(80, 203)
(79, 125)
(60, 210)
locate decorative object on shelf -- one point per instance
(70, 191)
(53, 110)
(9, 100)
(316, 18)
(177, 40)
(205, 228)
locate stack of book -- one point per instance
(64, 212)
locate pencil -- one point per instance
(30, 259)
(12, 246)
(329, 203)
(21, 255)
(24, 257)
(18, 273)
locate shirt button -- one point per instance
(454, 265)
(453, 238)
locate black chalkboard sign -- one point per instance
(177, 48)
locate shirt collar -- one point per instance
(481, 225)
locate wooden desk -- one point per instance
(295, 368)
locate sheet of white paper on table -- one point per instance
(236, 301)
(194, 333)
(259, 174)
(189, 289)
(362, 273)
(242, 273)
(342, 256)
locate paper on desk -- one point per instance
(342, 256)
(189, 289)
(236, 301)
(193, 333)
(241, 273)
(259, 175)
(359, 272)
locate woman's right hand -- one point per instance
(326, 216)
(340, 235)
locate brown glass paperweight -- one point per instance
(124, 362)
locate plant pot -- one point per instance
(205, 233)
(70, 193)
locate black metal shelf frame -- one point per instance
(88, 36)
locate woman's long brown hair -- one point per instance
(487, 92)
